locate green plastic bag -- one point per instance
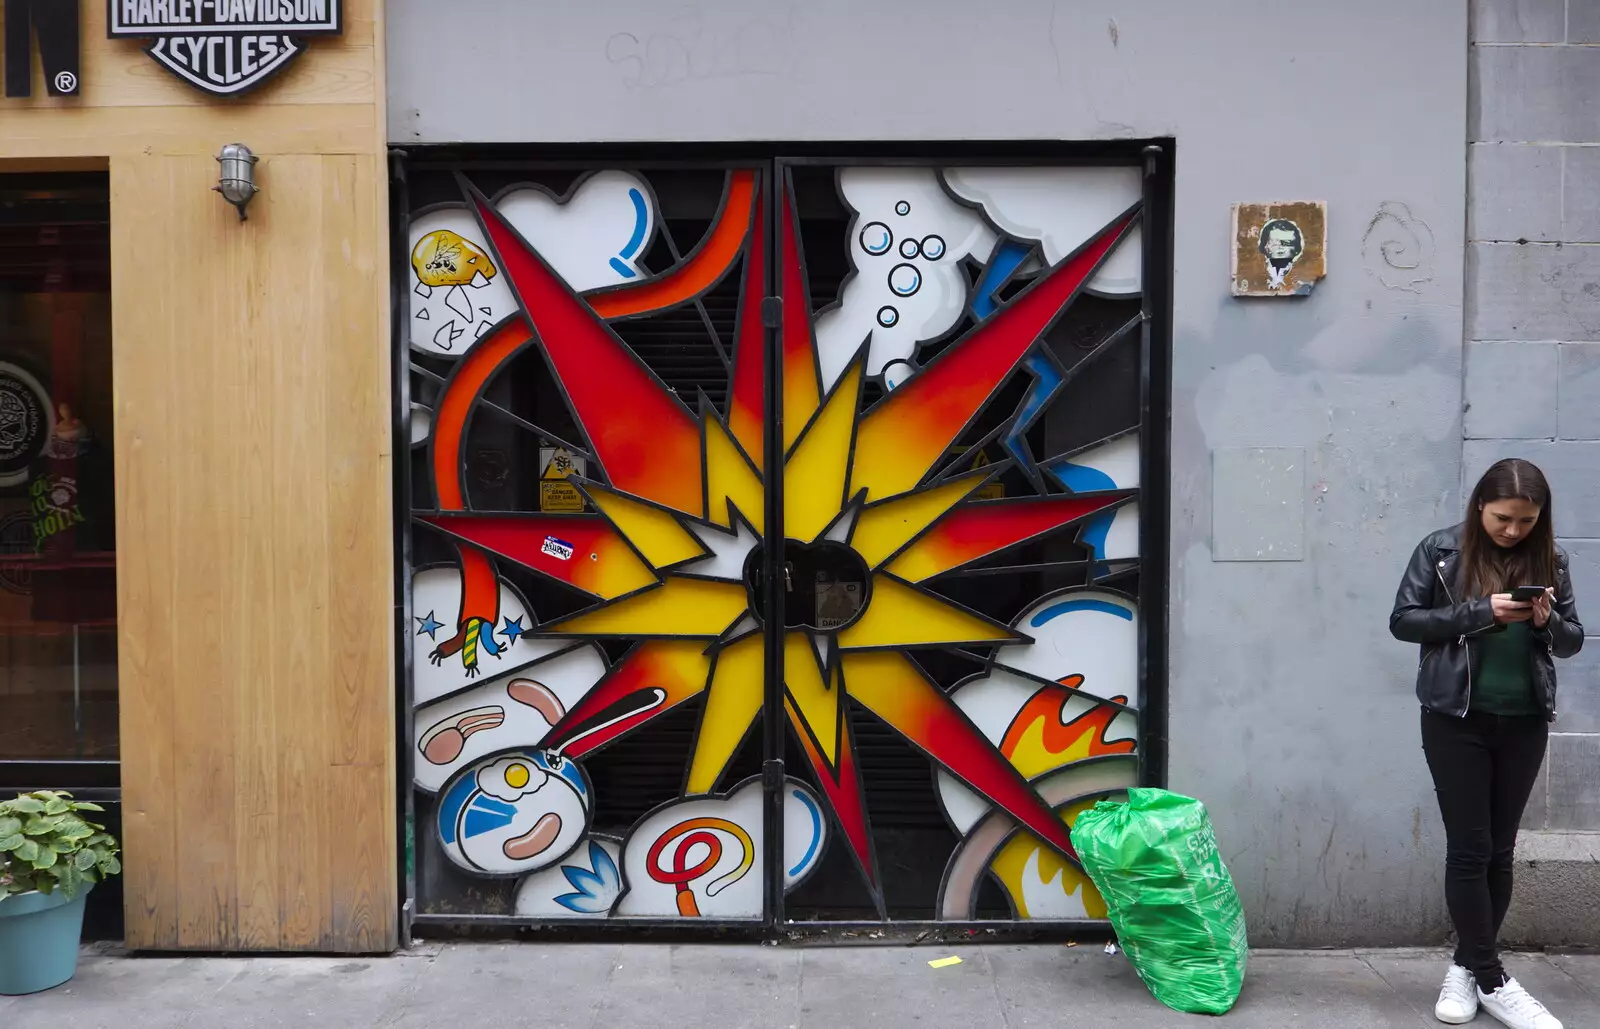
(1155, 861)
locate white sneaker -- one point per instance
(1458, 997)
(1515, 1007)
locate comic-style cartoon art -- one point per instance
(695, 858)
(1059, 209)
(459, 627)
(593, 237)
(597, 656)
(1112, 538)
(514, 814)
(907, 241)
(457, 293)
(1044, 703)
(516, 709)
(584, 885)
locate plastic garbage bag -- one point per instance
(1171, 900)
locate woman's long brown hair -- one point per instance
(1488, 568)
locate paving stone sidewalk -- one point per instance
(468, 985)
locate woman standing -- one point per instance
(1487, 683)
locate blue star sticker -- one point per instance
(428, 624)
(513, 630)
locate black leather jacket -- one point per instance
(1427, 612)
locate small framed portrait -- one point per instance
(1279, 249)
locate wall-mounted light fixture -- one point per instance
(237, 177)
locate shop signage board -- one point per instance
(224, 47)
(54, 24)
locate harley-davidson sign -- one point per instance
(223, 46)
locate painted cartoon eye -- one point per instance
(876, 238)
(909, 248)
(903, 208)
(905, 280)
(932, 247)
(888, 316)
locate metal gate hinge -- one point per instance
(771, 312)
(772, 774)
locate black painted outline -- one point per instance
(418, 709)
(1124, 497)
(588, 487)
(627, 838)
(1011, 636)
(852, 234)
(586, 518)
(972, 727)
(561, 200)
(788, 203)
(504, 584)
(871, 874)
(1130, 216)
(944, 879)
(480, 203)
(411, 218)
(524, 750)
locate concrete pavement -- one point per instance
(471, 985)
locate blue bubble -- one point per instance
(876, 238)
(888, 316)
(904, 280)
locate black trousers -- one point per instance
(1484, 766)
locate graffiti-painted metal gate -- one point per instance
(784, 538)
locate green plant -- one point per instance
(46, 843)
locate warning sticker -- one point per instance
(556, 494)
(559, 549)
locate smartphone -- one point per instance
(1527, 594)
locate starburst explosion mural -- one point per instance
(906, 413)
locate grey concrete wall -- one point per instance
(1533, 319)
(1292, 710)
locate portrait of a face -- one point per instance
(1281, 243)
(1279, 248)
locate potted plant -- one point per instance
(50, 857)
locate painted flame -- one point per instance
(1044, 884)
(1038, 740)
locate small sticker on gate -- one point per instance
(559, 549)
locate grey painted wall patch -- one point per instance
(1258, 504)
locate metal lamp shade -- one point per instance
(237, 177)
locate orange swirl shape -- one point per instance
(680, 875)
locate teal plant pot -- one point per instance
(39, 937)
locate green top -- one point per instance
(1503, 684)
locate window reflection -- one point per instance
(58, 646)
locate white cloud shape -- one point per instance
(1060, 208)
(597, 236)
(906, 241)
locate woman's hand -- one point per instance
(1541, 608)
(1507, 610)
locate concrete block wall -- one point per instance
(1532, 370)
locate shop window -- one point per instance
(58, 631)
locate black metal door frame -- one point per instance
(1155, 157)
